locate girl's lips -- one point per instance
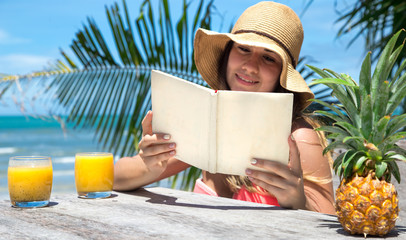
(245, 81)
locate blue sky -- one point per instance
(31, 32)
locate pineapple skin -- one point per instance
(366, 205)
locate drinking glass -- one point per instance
(30, 181)
(94, 174)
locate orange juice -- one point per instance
(94, 172)
(28, 183)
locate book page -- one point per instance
(252, 125)
(184, 110)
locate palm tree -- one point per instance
(376, 21)
(112, 94)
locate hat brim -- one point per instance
(209, 47)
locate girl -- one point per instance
(260, 55)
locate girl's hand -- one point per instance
(285, 182)
(155, 148)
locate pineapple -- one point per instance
(364, 125)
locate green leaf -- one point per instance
(319, 71)
(378, 133)
(359, 163)
(338, 164)
(398, 157)
(382, 68)
(366, 116)
(348, 164)
(331, 81)
(334, 145)
(332, 129)
(350, 107)
(380, 168)
(392, 139)
(399, 70)
(332, 108)
(353, 131)
(380, 102)
(365, 76)
(396, 99)
(330, 115)
(394, 169)
(360, 139)
(395, 124)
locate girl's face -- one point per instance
(253, 69)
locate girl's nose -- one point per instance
(251, 64)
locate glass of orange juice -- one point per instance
(94, 174)
(30, 181)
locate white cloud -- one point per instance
(22, 64)
(6, 38)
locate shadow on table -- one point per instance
(340, 230)
(168, 200)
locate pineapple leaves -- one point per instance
(348, 164)
(365, 76)
(394, 169)
(366, 116)
(333, 81)
(383, 66)
(333, 108)
(398, 157)
(380, 167)
(343, 87)
(332, 129)
(378, 133)
(353, 131)
(363, 121)
(359, 164)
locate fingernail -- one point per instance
(172, 153)
(172, 145)
(166, 136)
(291, 137)
(253, 161)
(248, 171)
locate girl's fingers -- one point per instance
(272, 167)
(267, 178)
(156, 138)
(157, 149)
(274, 190)
(147, 124)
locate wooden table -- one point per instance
(161, 213)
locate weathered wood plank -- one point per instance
(160, 213)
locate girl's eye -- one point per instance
(243, 49)
(269, 58)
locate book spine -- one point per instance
(213, 133)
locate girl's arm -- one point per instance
(317, 172)
(131, 172)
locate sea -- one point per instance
(32, 136)
(29, 136)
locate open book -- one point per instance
(221, 131)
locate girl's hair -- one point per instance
(236, 182)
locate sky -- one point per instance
(32, 32)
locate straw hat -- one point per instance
(270, 25)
